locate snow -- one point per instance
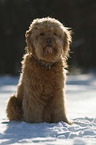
(81, 108)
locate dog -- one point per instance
(40, 93)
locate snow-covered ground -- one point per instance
(81, 108)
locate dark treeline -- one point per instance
(16, 15)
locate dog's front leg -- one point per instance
(32, 111)
(58, 108)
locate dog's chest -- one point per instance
(43, 81)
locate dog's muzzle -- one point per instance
(48, 42)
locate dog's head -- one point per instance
(47, 39)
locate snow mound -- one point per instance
(81, 132)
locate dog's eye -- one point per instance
(41, 34)
(55, 34)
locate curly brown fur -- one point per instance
(40, 92)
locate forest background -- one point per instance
(16, 16)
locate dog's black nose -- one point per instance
(48, 41)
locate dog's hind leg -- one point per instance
(14, 109)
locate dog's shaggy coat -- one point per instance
(40, 92)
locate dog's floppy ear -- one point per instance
(67, 41)
(28, 41)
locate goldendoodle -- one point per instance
(40, 93)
